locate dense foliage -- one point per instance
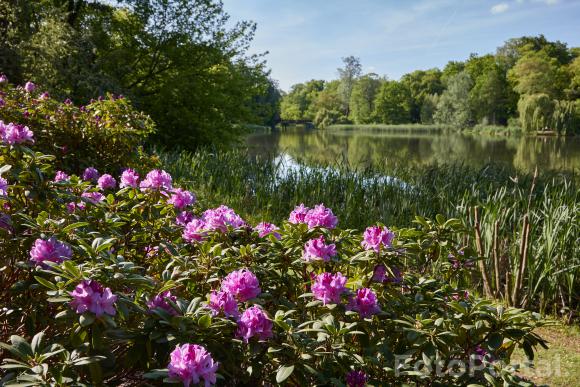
(105, 133)
(181, 62)
(525, 224)
(482, 90)
(106, 285)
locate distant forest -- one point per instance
(529, 83)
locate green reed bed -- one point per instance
(527, 228)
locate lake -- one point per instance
(376, 147)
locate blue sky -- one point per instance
(307, 38)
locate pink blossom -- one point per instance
(49, 250)
(29, 87)
(183, 218)
(218, 219)
(106, 181)
(191, 363)
(3, 78)
(160, 301)
(195, 231)
(3, 186)
(364, 302)
(317, 250)
(265, 228)
(298, 215)
(44, 96)
(129, 178)
(157, 180)
(254, 322)
(321, 216)
(181, 198)
(90, 174)
(375, 237)
(71, 207)
(90, 296)
(242, 284)
(15, 134)
(60, 177)
(93, 197)
(356, 379)
(328, 287)
(223, 302)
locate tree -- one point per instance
(421, 84)
(429, 108)
(393, 103)
(362, 99)
(535, 111)
(489, 96)
(536, 73)
(298, 104)
(453, 107)
(348, 74)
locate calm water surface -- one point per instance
(373, 147)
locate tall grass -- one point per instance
(507, 204)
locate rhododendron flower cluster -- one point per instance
(29, 87)
(223, 302)
(181, 198)
(317, 249)
(93, 197)
(222, 217)
(60, 176)
(13, 134)
(183, 218)
(364, 302)
(91, 174)
(376, 237)
(328, 287)
(242, 284)
(194, 231)
(160, 301)
(129, 178)
(191, 363)
(157, 180)
(265, 228)
(254, 322)
(356, 379)
(49, 250)
(106, 181)
(3, 186)
(319, 216)
(91, 296)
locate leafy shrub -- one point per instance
(105, 285)
(105, 133)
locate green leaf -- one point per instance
(37, 342)
(494, 341)
(21, 345)
(86, 319)
(45, 283)
(74, 226)
(204, 321)
(284, 373)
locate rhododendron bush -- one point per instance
(121, 278)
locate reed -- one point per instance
(528, 226)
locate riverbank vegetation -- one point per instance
(529, 83)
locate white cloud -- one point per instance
(499, 8)
(551, 2)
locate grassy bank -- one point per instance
(490, 130)
(529, 225)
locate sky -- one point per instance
(306, 39)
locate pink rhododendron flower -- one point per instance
(181, 198)
(195, 231)
(3, 186)
(91, 174)
(160, 302)
(328, 287)
(298, 215)
(129, 178)
(90, 296)
(3, 78)
(380, 274)
(49, 250)
(2, 102)
(242, 284)
(321, 216)
(223, 302)
(61, 176)
(12, 134)
(184, 218)
(356, 379)
(93, 197)
(364, 302)
(317, 250)
(157, 180)
(374, 237)
(106, 181)
(265, 228)
(44, 96)
(218, 219)
(29, 87)
(254, 322)
(191, 363)
(71, 207)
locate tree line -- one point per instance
(529, 82)
(179, 61)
